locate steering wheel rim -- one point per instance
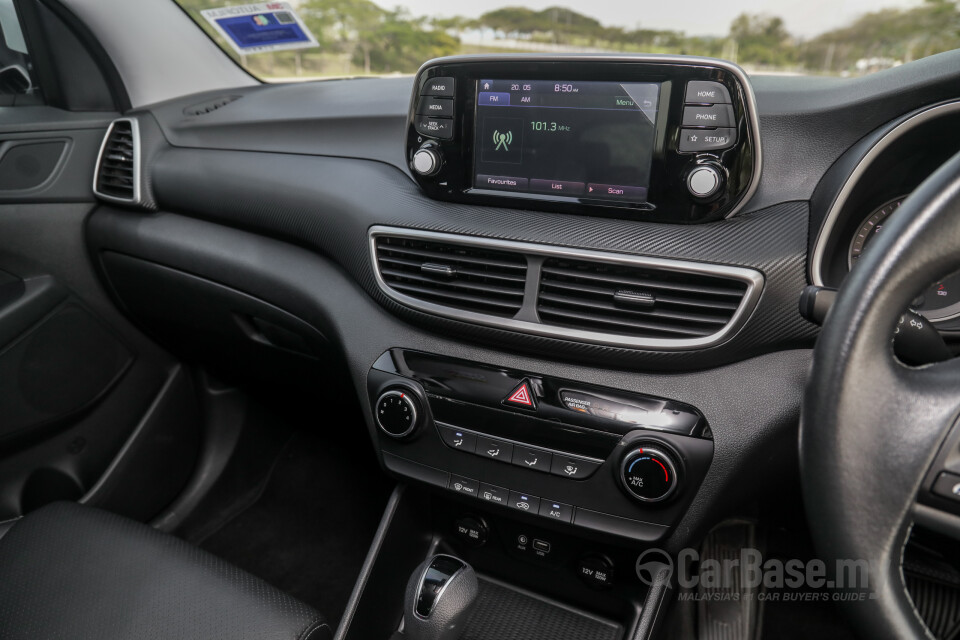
(871, 426)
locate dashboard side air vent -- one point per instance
(118, 166)
(453, 276)
(635, 300)
(209, 105)
(576, 295)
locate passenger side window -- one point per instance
(16, 69)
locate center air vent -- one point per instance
(636, 300)
(118, 166)
(576, 295)
(455, 276)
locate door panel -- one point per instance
(86, 400)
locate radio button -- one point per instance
(704, 92)
(442, 86)
(434, 127)
(707, 140)
(438, 107)
(718, 115)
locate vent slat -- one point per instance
(606, 274)
(115, 173)
(570, 301)
(597, 321)
(481, 280)
(465, 284)
(459, 255)
(582, 294)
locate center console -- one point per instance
(535, 447)
(645, 137)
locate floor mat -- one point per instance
(309, 530)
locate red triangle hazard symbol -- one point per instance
(521, 396)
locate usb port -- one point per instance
(542, 546)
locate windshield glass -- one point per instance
(310, 39)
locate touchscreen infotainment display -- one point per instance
(591, 140)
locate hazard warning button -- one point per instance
(521, 397)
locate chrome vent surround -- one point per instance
(456, 276)
(570, 294)
(636, 300)
(117, 177)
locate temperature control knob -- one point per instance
(427, 161)
(397, 413)
(704, 181)
(648, 474)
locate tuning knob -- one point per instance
(704, 181)
(397, 413)
(427, 161)
(649, 474)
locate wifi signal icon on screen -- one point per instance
(502, 140)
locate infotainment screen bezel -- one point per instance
(668, 198)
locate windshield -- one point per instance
(311, 39)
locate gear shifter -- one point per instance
(440, 594)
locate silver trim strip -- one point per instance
(752, 278)
(695, 61)
(819, 247)
(135, 132)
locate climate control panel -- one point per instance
(557, 450)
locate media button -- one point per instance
(618, 191)
(501, 183)
(558, 187)
(438, 107)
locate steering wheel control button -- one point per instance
(427, 161)
(648, 474)
(596, 571)
(437, 107)
(705, 92)
(714, 115)
(524, 502)
(434, 127)
(704, 181)
(494, 449)
(947, 486)
(466, 486)
(573, 467)
(441, 86)
(494, 494)
(457, 439)
(397, 413)
(692, 140)
(556, 511)
(521, 396)
(532, 458)
(473, 531)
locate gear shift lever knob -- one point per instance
(440, 594)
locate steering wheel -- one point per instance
(871, 426)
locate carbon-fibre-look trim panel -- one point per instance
(329, 204)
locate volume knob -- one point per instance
(704, 181)
(427, 161)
